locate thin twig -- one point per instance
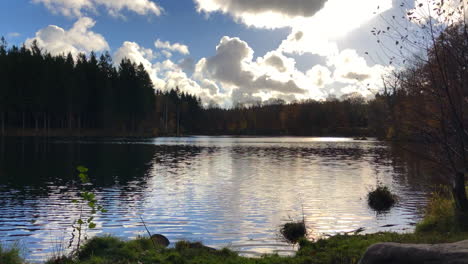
(149, 233)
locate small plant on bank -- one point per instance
(88, 208)
(293, 231)
(10, 255)
(381, 199)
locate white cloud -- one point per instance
(319, 34)
(167, 74)
(79, 38)
(77, 8)
(271, 76)
(320, 76)
(139, 55)
(13, 35)
(176, 47)
(317, 29)
(233, 66)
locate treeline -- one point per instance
(42, 94)
(347, 117)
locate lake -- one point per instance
(223, 191)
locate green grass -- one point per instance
(10, 255)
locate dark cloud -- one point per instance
(277, 62)
(356, 76)
(291, 8)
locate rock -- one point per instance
(395, 253)
(160, 240)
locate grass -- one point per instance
(439, 215)
(381, 199)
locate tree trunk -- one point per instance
(3, 123)
(165, 119)
(24, 121)
(36, 123)
(44, 116)
(459, 193)
(178, 121)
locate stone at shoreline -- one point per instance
(160, 240)
(395, 253)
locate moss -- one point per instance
(381, 199)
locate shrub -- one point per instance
(439, 215)
(381, 199)
(293, 231)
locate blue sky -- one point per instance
(179, 23)
(225, 51)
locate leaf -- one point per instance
(92, 225)
(80, 222)
(82, 169)
(74, 201)
(83, 177)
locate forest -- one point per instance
(42, 94)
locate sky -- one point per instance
(224, 51)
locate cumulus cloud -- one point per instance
(79, 38)
(232, 66)
(175, 47)
(168, 75)
(265, 13)
(290, 8)
(139, 55)
(320, 76)
(77, 8)
(246, 80)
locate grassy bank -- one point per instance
(438, 226)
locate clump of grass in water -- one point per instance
(293, 231)
(381, 199)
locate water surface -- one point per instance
(222, 191)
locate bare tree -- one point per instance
(428, 43)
